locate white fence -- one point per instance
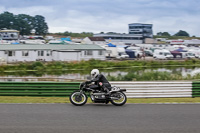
(156, 89)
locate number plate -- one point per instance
(115, 88)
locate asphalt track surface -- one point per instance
(99, 118)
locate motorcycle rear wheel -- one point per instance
(78, 99)
(121, 98)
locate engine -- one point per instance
(98, 96)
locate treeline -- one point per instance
(24, 23)
(179, 34)
(83, 34)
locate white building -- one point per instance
(192, 42)
(9, 34)
(184, 42)
(49, 52)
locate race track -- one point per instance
(99, 118)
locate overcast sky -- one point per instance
(111, 15)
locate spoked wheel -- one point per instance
(118, 98)
(78, 98)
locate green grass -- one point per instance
(15, 99)
(164, 100)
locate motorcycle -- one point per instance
(116, 96)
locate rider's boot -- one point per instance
(107, 102)
(107, 92)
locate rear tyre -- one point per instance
(78, 99)
(118, 98)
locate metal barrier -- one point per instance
(134, 89)
(39, 89)
(156, 89)
(196, 89)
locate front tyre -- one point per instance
(77, 98)
(118, 98)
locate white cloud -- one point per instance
(31, 10)
(175, 23)
(2, 9)
(75, 21)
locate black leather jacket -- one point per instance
(100, 78)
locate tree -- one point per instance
(159, 34)
(163, 34)
(182, 33)
(166, 34)
(7, 20)
(83, 34)
(40, 25)
(24, 23)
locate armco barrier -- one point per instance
(196, 89)
(156, 89)
(39, 89)
(141, 89)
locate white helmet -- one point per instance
(94, 73)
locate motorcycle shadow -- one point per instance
(97, 104)
(103, 105)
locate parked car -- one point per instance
(148, 53)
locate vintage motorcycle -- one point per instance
(116, 97)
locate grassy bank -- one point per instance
(134, 68)
(82, 65)
(153, 76)
(14, 99)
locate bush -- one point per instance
(37, 64)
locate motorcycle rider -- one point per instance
(100, 81)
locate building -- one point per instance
(9, 34)
(94, 40)
(137, 34)
(49, 52)
(150, 41)
(193, 42)
(121, 38)
(141, 29)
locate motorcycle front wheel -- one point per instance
(118, 98)
(77, 98)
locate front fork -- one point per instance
(92, 96)
(81, 92)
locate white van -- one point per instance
(188, 55)
(115, 52)
(121, 53)
(162, 54)
(138, 52)
(195, 52)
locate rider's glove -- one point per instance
(100, 83)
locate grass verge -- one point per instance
(16, 99)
